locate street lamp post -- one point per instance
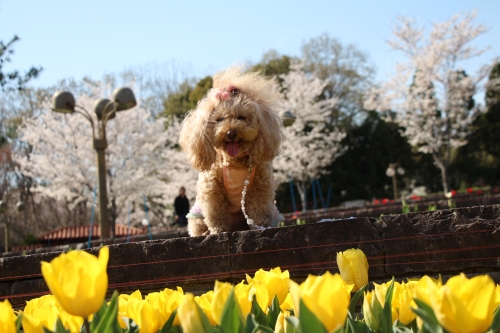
(391, 172)
(3, 209)
(123, 99)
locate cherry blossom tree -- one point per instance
(430, 94)
(142, 157)
(310, 142)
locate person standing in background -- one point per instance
(181, 206)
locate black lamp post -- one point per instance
(123, 99)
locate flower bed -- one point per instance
(267, 302)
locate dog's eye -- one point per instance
(220, 119)
(241, 118)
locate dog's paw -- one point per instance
(257, 227)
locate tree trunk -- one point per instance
(301, 187)
(444, 175)
(114, 215)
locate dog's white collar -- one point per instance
(243, 194)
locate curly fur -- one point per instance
(241, 103)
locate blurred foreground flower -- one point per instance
(462, 305)
(353, 267)
(276, 282)
(78, 280)
(7, 318)
(326, 296)
(145, 316)
(205, 301)
(372, 311)
(221, 294)
(191, 316)
(40, 313)
(165, 302)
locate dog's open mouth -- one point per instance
(232, 148)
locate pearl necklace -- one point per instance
(243, 194)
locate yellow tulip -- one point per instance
(276, 282)
(287, 303)
(71, 323)
(122, 312)
(326, 296)
(173, 298)
(190, 315)
(280, 323)
(204, 301)
(144, 315)
(261, 294)
(242, 292)
(406, 303)
(7, 318)
(282, 326)
(465, 305)
(497, 296)
(39, 313)
(425, 289)
(221, 294)
(135, 295)
(123, 300)
(78, 280)
(381, 292)
(353, 267)
(372, 311)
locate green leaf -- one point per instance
(204, 321)
(260, 316)
(354, 326)
(60, 327)
(251, 323)
(177, 329)
(355, 300)
(413, 325)
(132, 327)
(231, 320)
(19, 323)
(97, 316)
(294, 321)
(274, 312)
(167, 327)
(495, 323)
(387, 311)
(108, 323)
(264, 329)
(430, 322)
(401, 329)
(309, 323)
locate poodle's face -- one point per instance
(235, 119)
(233, 126)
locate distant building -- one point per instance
(76, 234)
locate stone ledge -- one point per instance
(402, 245)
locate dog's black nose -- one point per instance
(231, 135)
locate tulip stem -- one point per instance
(87, 326)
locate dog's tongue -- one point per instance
(232, 149)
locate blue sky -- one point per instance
(70, 38)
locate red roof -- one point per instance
(82, 231)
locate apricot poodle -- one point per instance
(231, 138)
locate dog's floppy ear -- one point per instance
(268, 142)
(195, 142)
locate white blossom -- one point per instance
(310, 145)
(142, 157)
(430, 92)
